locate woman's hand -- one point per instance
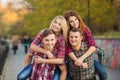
(50, 55)
(38, 60)
(79, 62)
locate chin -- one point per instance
(73, 44)
(50, 48)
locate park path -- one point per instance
(14, 64)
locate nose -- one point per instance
(73, 39)
(49, 42)
(74, 22)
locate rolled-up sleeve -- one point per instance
(61, 48)
(38, 39)
(68, 50)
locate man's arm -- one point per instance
(28, 59)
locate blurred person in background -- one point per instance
(25, 42)
(15, 41)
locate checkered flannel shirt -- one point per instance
(79, 73)
(101, 55)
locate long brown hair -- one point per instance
(82, 25)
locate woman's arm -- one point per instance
(90, 43)
(88, 53)
(39, 60)
(72, 56)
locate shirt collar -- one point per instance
(81, 47)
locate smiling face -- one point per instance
(75, 39)
(49, 42)
(56, 25)
(74, 22)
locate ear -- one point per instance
(81, 38)
(55, 39)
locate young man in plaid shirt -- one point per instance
(43, 67)
(79, 71)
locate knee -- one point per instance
(103, 75)
(20, 77)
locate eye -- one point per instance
(76, 36)
(70, 36)
(71, 21)
(76, 19)
(52, 39)
(59, 24)
(55, 21)
(46, 40)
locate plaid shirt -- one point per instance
(101, 55)
(44, 71)
(79, 73)
(60, 43)
(88, 38)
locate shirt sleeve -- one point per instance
(38, 39)
(89, 38)
(31, 51)
(68, 50)
(60, 48)
(101, 55)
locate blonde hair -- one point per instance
(64, 26)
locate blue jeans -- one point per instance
(57, 74)
(25, 73)
(100, 70)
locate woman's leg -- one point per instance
(63, 70)
(24, 74)
(56, 74)
(100, 70)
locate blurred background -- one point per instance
(24, 19)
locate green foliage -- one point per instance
(102, 14)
